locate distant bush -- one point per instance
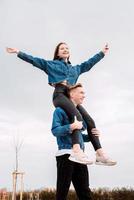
(115, 194)
(98, 194)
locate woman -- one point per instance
(61, 75)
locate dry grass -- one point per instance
(98, 194)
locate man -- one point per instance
(67, 170)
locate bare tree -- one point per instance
(17, 145)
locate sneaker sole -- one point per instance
(81, 162)
(105, 164)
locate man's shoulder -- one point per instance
(60, 114)
(59, 110)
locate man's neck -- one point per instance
(74, 102)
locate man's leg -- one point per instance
(64, 176)
(80, 179)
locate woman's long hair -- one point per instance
(56, 57)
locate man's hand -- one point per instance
(76, 125)
(12, 50)
(95, 132)
(105, 49)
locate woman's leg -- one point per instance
(101, 157)
(62, 101)
(90, 124)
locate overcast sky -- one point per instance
(26, 108)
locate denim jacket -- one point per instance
(58, 70)
(61, 130)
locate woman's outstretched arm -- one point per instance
(37, 62)
(87, 65)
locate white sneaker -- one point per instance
(80, 157)
(104, 160)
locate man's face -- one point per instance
(77, 95)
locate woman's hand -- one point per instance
(95, 132)
(105, 49)
(12, 50)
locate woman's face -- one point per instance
(63, 51)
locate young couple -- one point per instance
(70, 119)
(62, 75)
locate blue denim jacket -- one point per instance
(58, 70)
(61, 130)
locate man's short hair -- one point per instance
(73, 87)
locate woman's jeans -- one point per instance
(61, 99)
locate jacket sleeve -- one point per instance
(58, 129)
(87, 65)
(37, 62)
